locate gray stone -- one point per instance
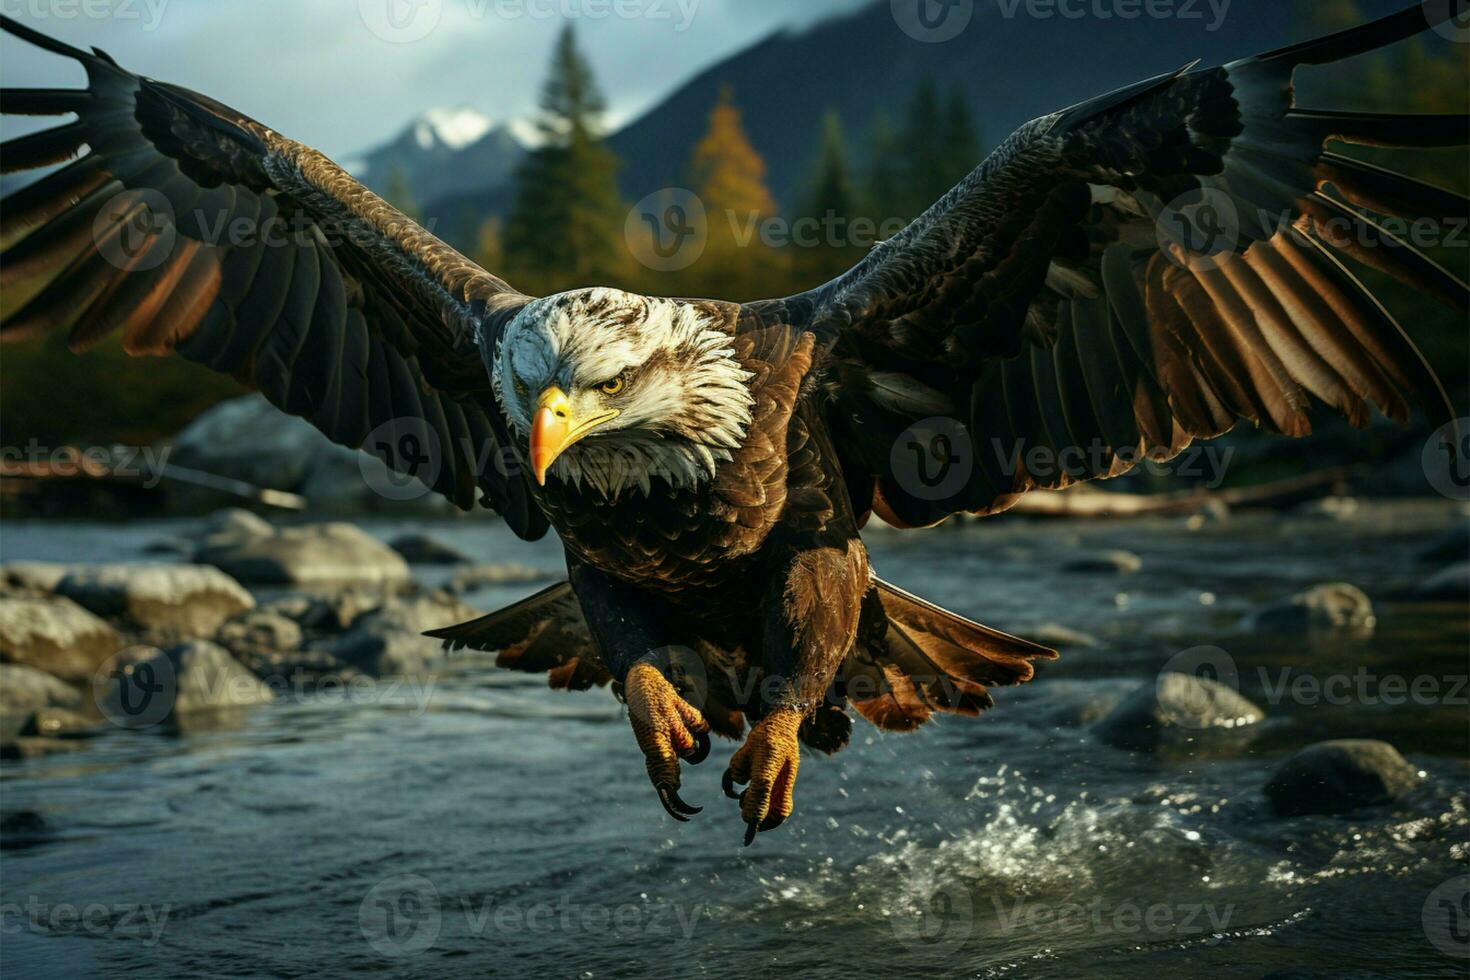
(234, 525)
(260, 637)
(26, 690)
(391, 641)
(188, 600)
(315, 554)
(1335, 606)
(193, 677)
(1056, 635)
(330, 613)
(60, 723)
(1174, 709)
(1105, 561)
(35, 747)
(55, 635)
(424, 549)
(35, 577)
(1339, 776)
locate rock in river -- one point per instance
(1175, 708)
(192, 678)
(390, 640)
(55, 635)
(315, 554)
(1105, 561)
(1341, 775)
(425, 549)
(1336, 606)
(26, 690)
(188, 600)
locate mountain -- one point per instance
(444, 152)
(1012, 65)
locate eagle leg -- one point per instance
(667, 728)
(768, 761)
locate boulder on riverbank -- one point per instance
(26, 690)
(1115, 561)
(335, 553)
(425, 549)
(1339, 776)
(176, 686)
(390, 640)
(1174, 710)
(54, 634)
(183, 600)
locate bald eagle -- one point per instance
(1127, 275)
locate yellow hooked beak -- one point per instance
(555, 427)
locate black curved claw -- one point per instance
(750, 830)
(700, 752)
(676, 807)
(727, 783)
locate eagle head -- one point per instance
(615, 390)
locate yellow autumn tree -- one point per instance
(729, 176)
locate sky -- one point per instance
(344, 75)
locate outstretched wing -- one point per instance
(1127, 275)
(194, 229)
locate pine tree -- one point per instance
(883, 186)
(960, 140)
(926, 171)
(823, 233)
(489, 250)
(565, 226)
(728, 172)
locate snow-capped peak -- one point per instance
(525, 132)
(452, 128)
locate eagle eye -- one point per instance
(613, 386)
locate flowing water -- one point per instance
(486, 826)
